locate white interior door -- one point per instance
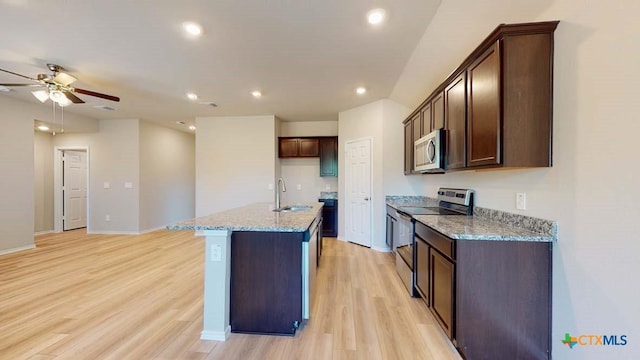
(358, 183)
(74, 189)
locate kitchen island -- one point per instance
(259, 268)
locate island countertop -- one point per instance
(254, 217)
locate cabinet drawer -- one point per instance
(440, 242)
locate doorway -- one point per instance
(71, 193)
(358, 181)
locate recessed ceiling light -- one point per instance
(361, 90)
(192, 29)
(192, 127)
(192, 96)
(376, 16)
(180, 122)
(256, 94)
(43, 128)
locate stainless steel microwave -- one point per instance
(428, 153)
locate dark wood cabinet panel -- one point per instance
(408, 148)
(442, 290)
(503, 306)
(437, 105)
(308, 148)
(456, 119)
(483, 109)
(266, 283)
(298, 147)
(427, 124)
(328, 156)
(330, 217)
(416, 122)
(288, 148)
(422, 269)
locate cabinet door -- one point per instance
(483, 118)
(330, 218)
(288, 148)
(427, 125)
(408, 148)
(416, 122)
(437, 105)
(308, 148)
(456, 119)
(422, 269)
(329, 157)
(442, 285)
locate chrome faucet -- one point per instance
(284, 189)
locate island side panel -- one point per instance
(216, 284)
(266, 282)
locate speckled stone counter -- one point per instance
(254, 217)
(328, 195)
(478, 228)
(485, 224)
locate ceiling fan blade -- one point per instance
(74, 99)
(64, 79)
(16, 74)
(96, 94)
(20, 84)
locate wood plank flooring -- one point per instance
(79, 296)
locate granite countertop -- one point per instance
(485, 224)
(328, 195)
(254, 217)
(479, 228)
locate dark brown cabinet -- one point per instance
(456, 118)
(408, 148)
(298, 147)
(330, 217)
(328, 156)
(422, 270)
(492, 298)
(417, 127)
(437, 105)
(442, 272)
(483, 106)
(497, 105)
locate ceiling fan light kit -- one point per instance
(58, 87)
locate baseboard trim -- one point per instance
(15, 250)
(216, 335)
(164, 227)
(381, 249)
(43, 232)
(112, 232)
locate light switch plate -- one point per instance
(521, 201)
(128, 185)
(107, 185)
(299, 187)
(216, 253)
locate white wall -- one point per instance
(17, 185)
(114, 158)
(591, 190)
(167, 176)
(309, 128)
(43, 182)
(234, 161)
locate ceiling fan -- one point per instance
(57, 87)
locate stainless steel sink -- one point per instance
(293, 208)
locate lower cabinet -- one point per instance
(492, 298)
(442, 294)
(330, 217)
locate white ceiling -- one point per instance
(306, 56)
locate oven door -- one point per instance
(404, 245)
(429, 152)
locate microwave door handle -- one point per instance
(431, 156)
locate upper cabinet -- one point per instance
(324, 147)
(298, 147)
(497, 105)
(328, 156)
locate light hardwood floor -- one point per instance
(79, 296)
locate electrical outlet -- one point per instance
(327, 187)
(106, 185)
(216, 252)
(270, 187)
(299, 187)
(107, 218)
(521, 201)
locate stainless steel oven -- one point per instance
(404, 250)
